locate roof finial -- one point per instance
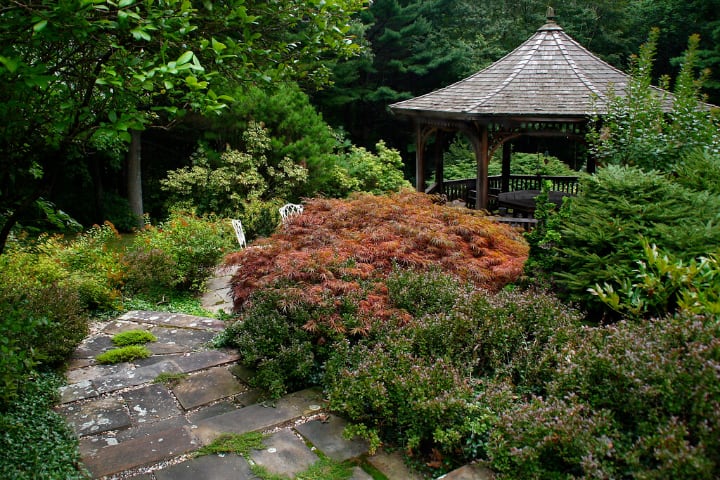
(550, 14)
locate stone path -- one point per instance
(132, 427)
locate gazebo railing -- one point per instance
(464, 189)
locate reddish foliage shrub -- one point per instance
(347, 248)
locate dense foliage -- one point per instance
(323, 275)
(111, 68)
(638, 130)
(603, 229)
(459, 163)
(36, 442)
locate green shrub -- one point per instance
(270, 338)
(636, 131)
(194, 244)
(419, 403)
(699, 171)
(659, 380)
(93, 265)
(661, 284)
(36, 443)
(553, 438)
(225, 183)
(149, 272)
(421, 293)
(601, 238)
(459, 163)
(133, 337)
(411, 385)
(16, 358)
(46, 323)
(123, 354)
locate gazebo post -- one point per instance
(480, 145)
(505, 179)
(419, 158)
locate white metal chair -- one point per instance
(290, 209)
(237, 226)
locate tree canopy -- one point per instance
(78, 75)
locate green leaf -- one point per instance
(140, 34)
(125, 3)
(218, 46)
(39, 26)
(9, 63)
(185, 58)
(112, 115)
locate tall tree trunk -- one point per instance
(134, 177)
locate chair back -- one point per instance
(239, 233)
(290, 209)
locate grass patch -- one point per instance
(123, 354)
(327, 469)
(240, 444)
(180, 302)
(133, 337)
(170, 379)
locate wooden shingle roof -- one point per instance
(549, 76)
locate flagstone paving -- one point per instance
(131, 427)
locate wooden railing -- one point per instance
(461, 189)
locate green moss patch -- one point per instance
(133, 337)
(123, 354)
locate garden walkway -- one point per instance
(131, 427)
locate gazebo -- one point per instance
(549, 86)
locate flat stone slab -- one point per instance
(93, 372)
(138, 452)
(96, 416)
(77, 391)
(207, 359)
(392, 466)
(147, 429)
(209, 467)
(327, 436)
(257, 417)
(150, 404)
(469, 472)
(208, 386)
(210, 411)
(184, 339)
(174, 319)
(135, 377)
(93, 346)
(285, 454)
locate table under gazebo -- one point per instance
(550, 86)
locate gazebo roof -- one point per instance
(549, 76)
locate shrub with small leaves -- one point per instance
(660, 381)
(619, 207)
(553, 438)
(193, 244)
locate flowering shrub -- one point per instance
(191, 247)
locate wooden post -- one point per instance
(481, 201)
(419, 158)
(506, 157)
(441, 138)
